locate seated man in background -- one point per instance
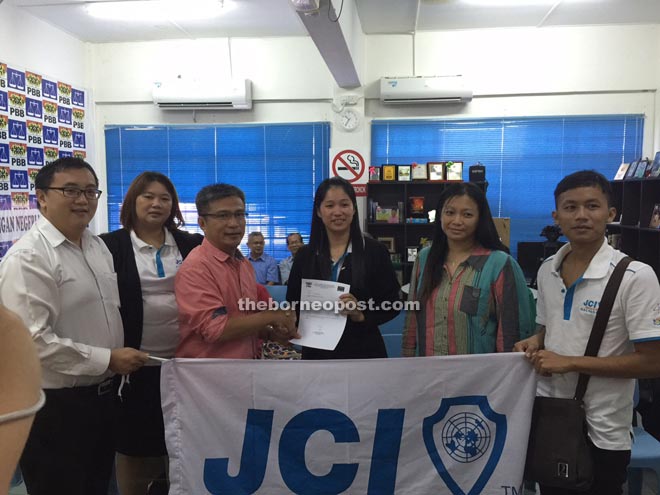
(216, 280)
(265, 266)
(294, 241)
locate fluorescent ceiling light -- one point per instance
(159, 10)
(305, 5)
(520, 3)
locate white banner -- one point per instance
(414, 426)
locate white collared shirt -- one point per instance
(568, 314)
(68, 299)
(160, 324)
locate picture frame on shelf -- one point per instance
(648, 168)
(655, 167)
(374, 173)
(621, 173)
(454, 170)
(395, 258)
(387, 215)
(436, 170)
(641, 169)
(630, 173)
(389, 243)
(655, 217)
(420, 171)
(389, 172)
(403, 173)
(411, 254)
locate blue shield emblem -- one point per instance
(471, 432)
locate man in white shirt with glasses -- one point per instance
(59, 278)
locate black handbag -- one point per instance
(559, 451)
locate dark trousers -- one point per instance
(610, 472)
(70, 449)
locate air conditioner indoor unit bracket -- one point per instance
(420, 89)
(216, 95)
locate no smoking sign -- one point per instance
(349, 165)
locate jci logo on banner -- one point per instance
(464, 430)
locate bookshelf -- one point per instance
(403, 234)
(634, 200)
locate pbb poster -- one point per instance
(41, 119)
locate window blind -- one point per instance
(525, 158)
(278, 166)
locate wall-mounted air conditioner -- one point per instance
(208, 95)
(437, 89)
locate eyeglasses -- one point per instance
(225, 216)
(75, 192)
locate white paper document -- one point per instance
(320, 328)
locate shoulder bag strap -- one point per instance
(600, 322)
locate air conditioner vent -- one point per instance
(182, 95)
(415, 90)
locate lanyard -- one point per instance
(336, 267)
(159, 263)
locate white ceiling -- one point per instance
(266, 18)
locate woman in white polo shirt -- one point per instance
(147, 253)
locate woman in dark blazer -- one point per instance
(147, 252)
(338, 251)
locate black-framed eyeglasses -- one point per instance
(225, 216)
(75, 192)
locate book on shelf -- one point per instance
(416, 205)
(417, 220)
(374, 173)
(621, 173)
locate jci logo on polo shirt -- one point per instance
(589, 306)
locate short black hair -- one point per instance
(584, 178)
(211, 193)
(44, 177)
(289, 236)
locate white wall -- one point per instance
(514, 72)
(32, 44)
